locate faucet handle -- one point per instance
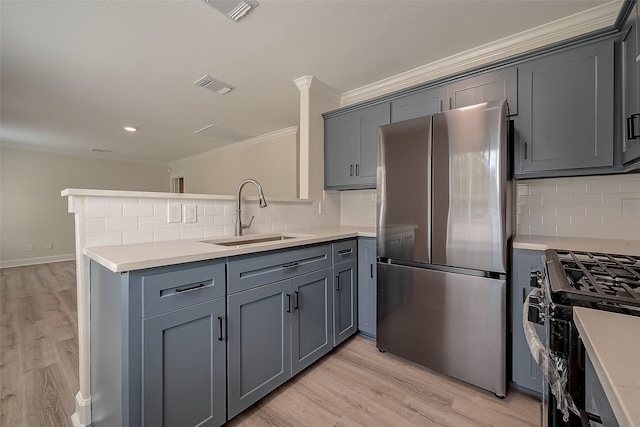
(247, 226)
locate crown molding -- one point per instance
(313, 83)
(561, 29)
(252, 141)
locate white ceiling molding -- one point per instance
(580, 23)
(313, 83)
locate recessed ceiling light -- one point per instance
(130, 128)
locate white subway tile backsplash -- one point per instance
(152, 223)
(122, 200)
(214, 210)
(104, 211)
(103, 239)
(95, 225)
(142, 236)
(166, 235)
(129, 210)
(223, 220)
(121, 224)
(192, 233)
(578, 207)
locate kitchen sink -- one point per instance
(249, 240)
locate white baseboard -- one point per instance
(34, 261)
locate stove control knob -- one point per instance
(535, 280)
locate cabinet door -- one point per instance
(631, 89)
(423, 103)
(367, 286)
(340, 149)
(351, 142)
(498, 84)
(566, 110)
(312, 323)
(345, 308)
(526, 373)
(258, 343)
(184, 372)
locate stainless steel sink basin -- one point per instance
(248, 240)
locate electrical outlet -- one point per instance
(175, 212)
(29, 247)
(48, 246)
(190, 214)
(631, 207)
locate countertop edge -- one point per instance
(620, 409)
(123, 258)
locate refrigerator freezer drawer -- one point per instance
(452, 323)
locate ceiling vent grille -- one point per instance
(220, 133)
(233, 9)
(210, 83)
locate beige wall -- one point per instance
(272, 159)
(32, 210)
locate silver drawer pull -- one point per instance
(290, 265)
(191, 288)
(345, 251)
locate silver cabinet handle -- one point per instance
(290, 265)
(345, 251)
(190, 288)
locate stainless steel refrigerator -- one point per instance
(443, 230)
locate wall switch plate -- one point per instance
(190, 214)
(175, 212)
(631, 208)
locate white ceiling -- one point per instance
(73, 73)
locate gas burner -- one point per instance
(597, 277)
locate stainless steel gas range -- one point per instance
(571, 278)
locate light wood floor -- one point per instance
(354, 386)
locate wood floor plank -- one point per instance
(48, 405)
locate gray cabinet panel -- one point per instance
(245, 272)
(344, 251)
(350, 147)
(367, 274)
(525, 371)
(312, 322)
(631, 89)
(258, 343)
(184, 367)
(423, 103)
(169, 288)
(566, 113)
(489, 86)
(345, 308)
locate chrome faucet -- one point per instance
(261, 200)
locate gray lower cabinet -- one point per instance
(276, 328)
(350, 148)
(525, 372)
(345, 299)
(184, 366)
(157, 346)
(367, 282)
(566, 120)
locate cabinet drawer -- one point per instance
(344, 251)
(249, 271)
(167, 289)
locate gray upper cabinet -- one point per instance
(631, 89)
(418, 104)
(484, 87)
(351, 147)
(566, 116)
(367, 274)
(525, 371)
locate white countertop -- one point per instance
(612, 341)
(145, 255)
(612, 246)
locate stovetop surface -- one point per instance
(591, 276)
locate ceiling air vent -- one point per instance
(233, 9)
(220, 133)
(210, 83)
